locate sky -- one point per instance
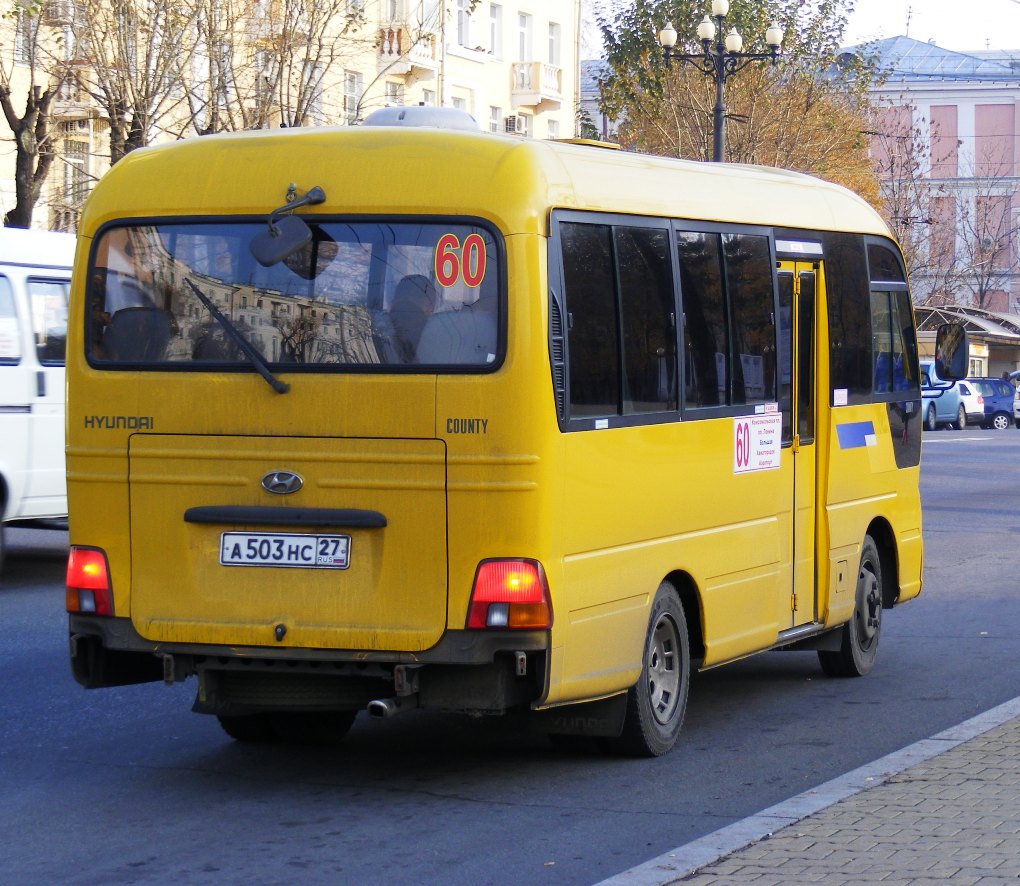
(986, 24)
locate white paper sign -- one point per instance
(757, 442)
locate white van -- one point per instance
(35, 277)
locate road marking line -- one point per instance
(685, 860)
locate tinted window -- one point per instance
(593, 332)
(883, 266)
(728, 309)
(705, 343)
(893, 342)
(846, 282)
(647, 313)
(620, 319)
(749, 280)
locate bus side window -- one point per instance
(749, 279)
(646, 310)
(706, 353)
(593, 333)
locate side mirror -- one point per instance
(952, 354)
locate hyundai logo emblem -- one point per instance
(282, 482)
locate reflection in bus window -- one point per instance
(343, 300)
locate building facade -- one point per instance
(947, 147)
(513, 65)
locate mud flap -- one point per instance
(602, 718)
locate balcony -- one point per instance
(400, 53)
(535, 84)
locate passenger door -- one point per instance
(797, 282)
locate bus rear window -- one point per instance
(361, 295)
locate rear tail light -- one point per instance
(510, 594)
(88, 582)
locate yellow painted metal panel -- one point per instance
(391, 597)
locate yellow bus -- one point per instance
(407, 415)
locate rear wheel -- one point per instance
(961, 419)
(656, 703)
(930, 422)
(859, 644)
(1000, 421)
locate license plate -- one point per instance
(286, 549)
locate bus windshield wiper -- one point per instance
(246, 347)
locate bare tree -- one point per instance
(131, 55)
(919, 211)
(986, 264)
(36, 48)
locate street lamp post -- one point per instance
(720, 59)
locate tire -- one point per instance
(961, 419)
(860, 636)
(289, 727)
(930, 422)
(3, 548)
(1000, 421)
(657, 702)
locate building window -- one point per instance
(23, 26)
(76, 172)
(495, 119)
(428, 97)
(464, 22)
(554, 44)
(394, 94)
(496, 30)
(524, 38)
(526, 125)
(353, 88)
(554, 128)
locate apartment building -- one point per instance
(959, 115)
(513, 65)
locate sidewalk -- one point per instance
(945, 810)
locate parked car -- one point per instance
(941, 403)
(973, 403)
(1016, 408)
(998, 395)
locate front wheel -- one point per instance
(656, 703)
(859, 645)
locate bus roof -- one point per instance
(36, 249)
(513, 182)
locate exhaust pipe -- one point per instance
(384, 708)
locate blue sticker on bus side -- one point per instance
(854, 435)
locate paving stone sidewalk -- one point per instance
(954, 818)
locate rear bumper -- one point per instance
(486, 671)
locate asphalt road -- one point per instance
(127, 786)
